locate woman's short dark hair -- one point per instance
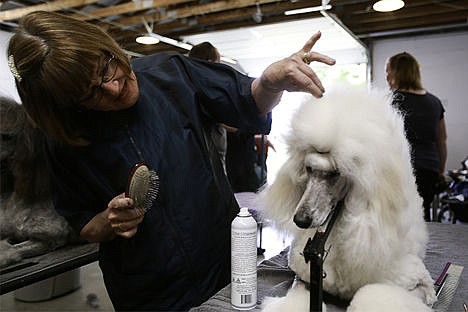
(56, 58)
(204, 51)
(405, 71)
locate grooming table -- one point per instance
(35, 269)
(38, 268)
(447, 243)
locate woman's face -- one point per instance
(113, 90)
(120, 93)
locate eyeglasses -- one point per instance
(108, 72)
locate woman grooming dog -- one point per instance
(102, 115)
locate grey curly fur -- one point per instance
(29, 224)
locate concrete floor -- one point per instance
(91, 283)
(92, 286)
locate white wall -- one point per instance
(7, 82)
(444, 69)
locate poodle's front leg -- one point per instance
(297, 299)
(411, 274)
(425, 290)
(13, 253)
(30, 248)
(386, 298)
(7, 254)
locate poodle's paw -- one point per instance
(297, 299)
(8, 255)
(386, 298)
(4, 245)
(426, 292)
(281, 304)
(415, 277)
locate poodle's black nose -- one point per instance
(303, 222)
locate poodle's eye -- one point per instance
(308, 169)
(329, 174)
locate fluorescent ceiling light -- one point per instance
(308, 10)
(228, 60)
(155, 38)
(388, 5)
(147, 39)
(173, 42)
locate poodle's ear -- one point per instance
(278, 201)
(31, 169)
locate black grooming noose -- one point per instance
(314, 252)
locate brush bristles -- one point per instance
(153, 191)
(143, 187)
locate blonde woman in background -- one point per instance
(423, 115)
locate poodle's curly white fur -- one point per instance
(350, 145)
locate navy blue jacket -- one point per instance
(180, 255)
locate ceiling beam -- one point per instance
(14, 14)
(423, 21)
(202, 22)
(132, 6)
(409, 13)
(196, 10)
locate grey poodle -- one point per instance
(29, 224)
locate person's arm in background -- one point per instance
(442, 144)
(291, 74)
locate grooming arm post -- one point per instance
(314, 252)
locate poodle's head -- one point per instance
(348, 145)
(23, 164)
(11, 124)
(323, 186)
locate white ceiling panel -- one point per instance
(256, 47)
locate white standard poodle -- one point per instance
(350, 145)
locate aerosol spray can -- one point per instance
(244, 261)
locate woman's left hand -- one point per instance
(123, 218)
(291, 74)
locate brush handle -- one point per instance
(130, 177)
(442, 275)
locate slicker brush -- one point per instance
(142, 186)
